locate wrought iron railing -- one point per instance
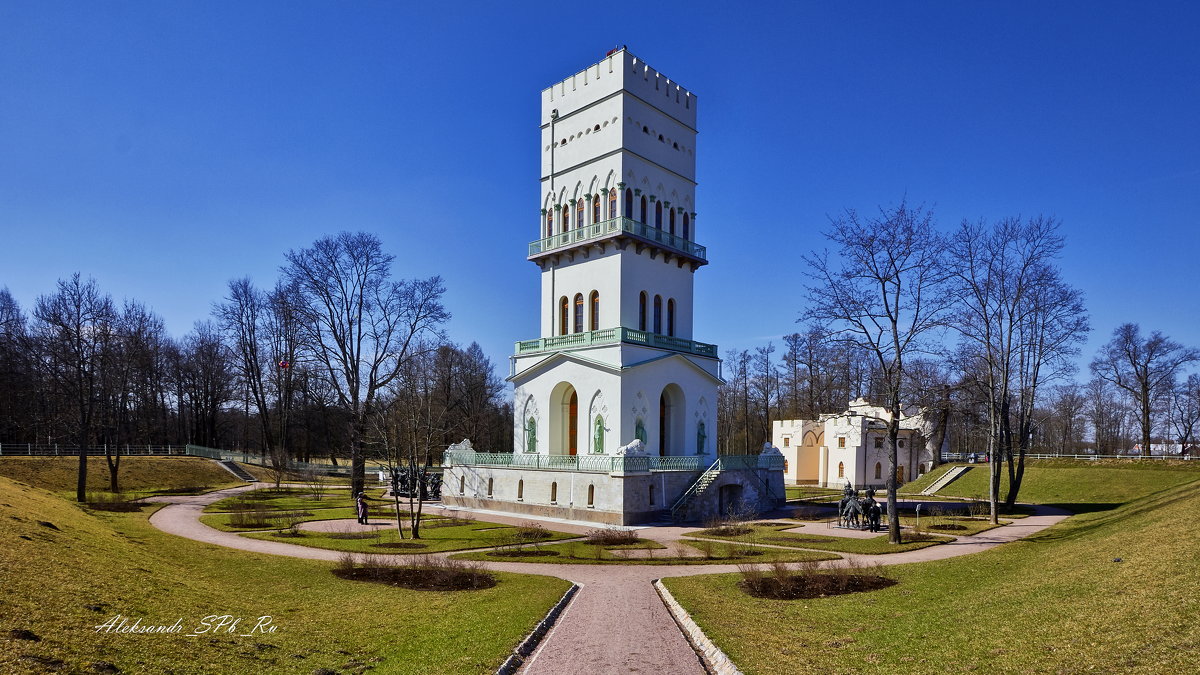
(584, 463)
(615, 226)
(612, 336)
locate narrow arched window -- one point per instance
(596, 209)
(687, 229)
(491, 482)
(566, 218)
(578, 213)
(591, 495)
(612, 203)
(841, 469)
(651, 495)
(550, 222)
(658, 314)
(628, 203)
(553, 493)
(671, 221)
(595, 303)
(878, 471)
(520, 490)
(579, 312)
(462, 485)
(658, 215)
(643, 218)
(642, 311)
(671, 317)
(563, 312)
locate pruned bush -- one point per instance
(807, 580)
(256, 516)
(611, 536)
(417, 573)
(531, 531)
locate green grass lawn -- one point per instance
(773, 535)
(278, 519)
(65, 570)
(809, 491)
(478, 534)
(1100, 484)
(138, 476)
(292, 499)
(1056, 602)
(582, 553)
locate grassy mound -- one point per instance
(1056, 602)
(137, 475)
(65, 571)
(1088, 484)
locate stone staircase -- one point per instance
(233, 468)
(679, 510)
(946, 479)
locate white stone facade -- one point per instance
(852, 447)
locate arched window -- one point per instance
(520, 490)
(612, 203)
(785, 464)
(596, 209)
(531, 435)
(651, 495)
(642, 311)
(579, 312)
(628, 203)
(564, 310)
(550, 222)
(595, 307)
(554, 493)
(591, 495)
(578, 213)
(671, 221)
(878, 471)
(841, 469)
(899, 474)
(658, 314)
(658, 215)
(687, 229)
(490, 484)
(462, 485)
(643, 218)
(566, 218)
(671, 317)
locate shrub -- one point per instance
(807, 580)
(531, 531)
(418, 573)
(255, 516)
(611, 536)
(108, 501)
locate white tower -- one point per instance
(616, 245)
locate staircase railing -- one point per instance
(697, 486)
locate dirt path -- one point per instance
(616, 623)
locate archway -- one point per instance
(564, 420)
(729, 498)
(671, 415)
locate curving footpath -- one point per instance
(616, 623)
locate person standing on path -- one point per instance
(361, 505)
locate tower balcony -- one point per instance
(609, 336)
(614, 228)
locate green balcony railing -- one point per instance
(610, 336)
(611, 463)
(614, 226)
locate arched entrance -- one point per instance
(729, 497)
(563, 438)
(670, 421)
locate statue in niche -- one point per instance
(639, 430)
(701, 438)
(531, 435)
(598, 436)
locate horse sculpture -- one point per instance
(859, 513)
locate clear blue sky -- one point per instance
(166, 148)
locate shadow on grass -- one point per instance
(1089, 520)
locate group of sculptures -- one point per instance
(859, 513)
(405, 481)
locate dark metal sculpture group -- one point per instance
(859, 513)
(405, 481)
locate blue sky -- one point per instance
(166, 148)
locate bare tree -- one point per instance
(1185, 412)
(1142, 367)
(76, 326)
(360, 325)
(883, 295)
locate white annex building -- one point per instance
(615, 402)
(852, 447)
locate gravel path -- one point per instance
(616, 623)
